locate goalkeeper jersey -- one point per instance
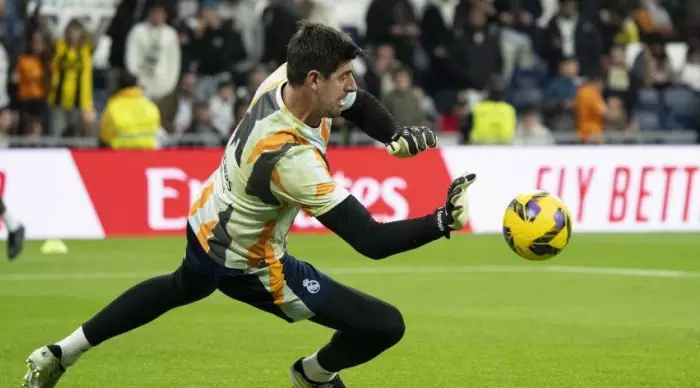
(273, 166)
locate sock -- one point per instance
(314, 371)
(73, 346)
(12, 224)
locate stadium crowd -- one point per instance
(479, 71)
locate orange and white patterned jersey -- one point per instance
(274, 165)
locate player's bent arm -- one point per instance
(301, 177)
(365, 111)
(353, 223)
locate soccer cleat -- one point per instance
(15, 242)
(299, 379)
(43, 369)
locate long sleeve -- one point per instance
(86, 79)
(131, 59)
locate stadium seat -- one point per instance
(649, 100)
(527, 96)
(681, 101)
(648, 121)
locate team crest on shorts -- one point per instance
(312, 286)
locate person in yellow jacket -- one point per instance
(130, 120)
(70, 96)
(493, 122)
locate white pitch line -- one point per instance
(637, 272)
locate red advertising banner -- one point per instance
(149, 193)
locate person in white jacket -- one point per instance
(153, 55)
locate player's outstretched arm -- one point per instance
(353, 223)
(374, 119)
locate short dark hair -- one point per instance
(318, 47)
(127, 80)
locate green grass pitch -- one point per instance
(476, 315)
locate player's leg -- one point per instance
(15, 237)
(365, 327)
(136, 307)
(294, 290)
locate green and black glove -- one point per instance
(454, 215)
(410, 141)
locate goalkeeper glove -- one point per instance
(453, 215)
(411, 141)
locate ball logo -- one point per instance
(311, 285)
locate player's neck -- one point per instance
(299, 103)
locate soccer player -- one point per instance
(275, 165)
(15, 236)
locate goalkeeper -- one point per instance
(275, 165)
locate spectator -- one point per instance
(188, 62)
(202, 124)
(519, 15)
(560, 96)
(618, 25)
(402, 102)
(570, 34)
(246, 21)
(437, 36)
(33, 78)
(493, 121)
(10, 20)
(619, 81)
(279, 19)
(653, 66)
(394, 22)
(153, 55)
(378, 79)
(128, 13)
(427, 106)
(242, 105)
(71, 87)
(517, 18)
(591, 111)
(186, 96)
(653, 18)
(217, 49)
(531, 131)
(255, 78)
(475, 59)
(690, 76)
(130, 121)
(222, 108)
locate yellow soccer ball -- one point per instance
(537, 225)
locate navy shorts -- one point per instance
(294, 292)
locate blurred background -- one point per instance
(522, 72)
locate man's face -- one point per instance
(477, 17)
(157, 16)
(569, 8)
(189, 84)
(331, 91)
(569, 69)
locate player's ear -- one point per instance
(312, 79)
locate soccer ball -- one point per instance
(537, 225)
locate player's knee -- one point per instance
(190, 285)
(393, 327)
